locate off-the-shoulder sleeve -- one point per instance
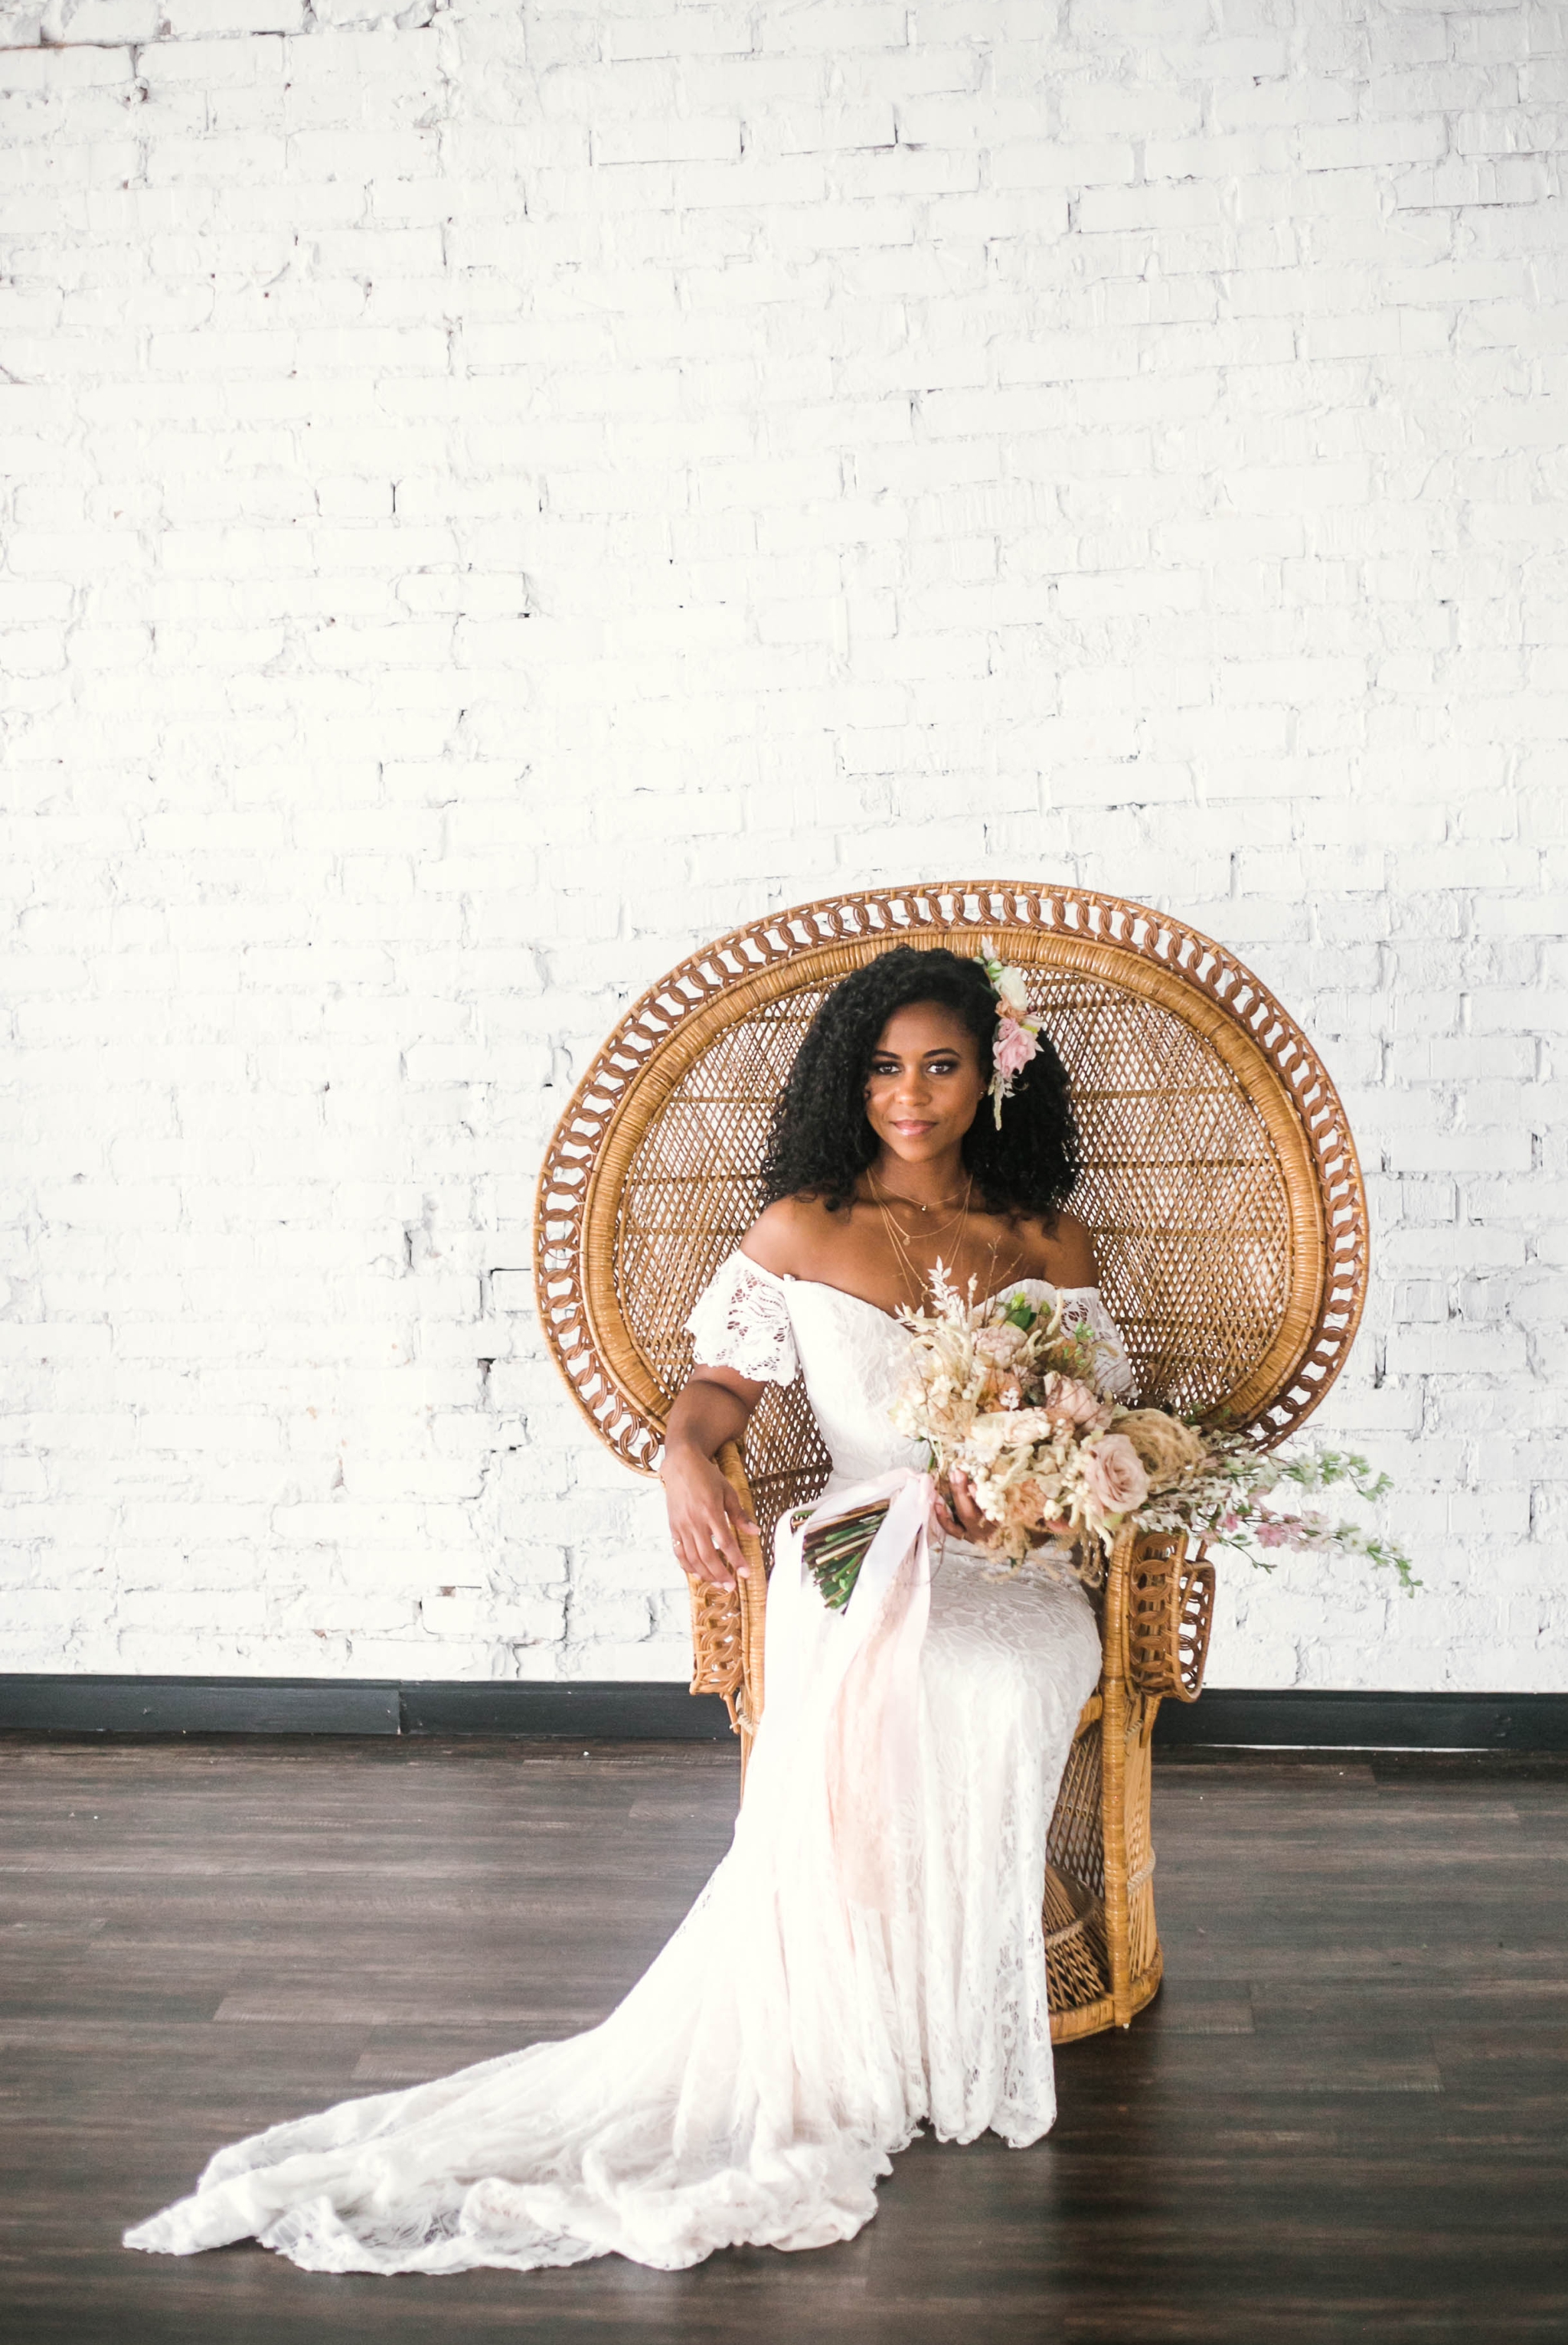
(742, 1320)
(1082, 1307)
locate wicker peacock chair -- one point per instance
(1219, 1178)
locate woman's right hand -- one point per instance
(705, 1519)
(958, 1513)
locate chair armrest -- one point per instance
(727, 1623)
(1170, 1610)
(751, 1595)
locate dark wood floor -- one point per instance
(1343, 2118)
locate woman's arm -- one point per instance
(706, 1518)
(713, 1406)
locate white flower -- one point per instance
(1012, 989)
(1009, 1428)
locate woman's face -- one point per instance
(924, 1083)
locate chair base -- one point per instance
(1077, 1961)
(1093, 2018)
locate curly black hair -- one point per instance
(820, 1140)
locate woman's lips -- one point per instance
(912, 1131)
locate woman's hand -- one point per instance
(705, 1519)
(1055, 1526)
(959, 1516)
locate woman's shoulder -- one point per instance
(1060, 1248)
(787, 1237)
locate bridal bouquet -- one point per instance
(1007, 1394)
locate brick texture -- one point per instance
(496, 495)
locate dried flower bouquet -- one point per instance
(1005, 1393)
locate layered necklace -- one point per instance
(914, 1277)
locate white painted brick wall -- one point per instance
(496, 495)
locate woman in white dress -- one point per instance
(869, 1954)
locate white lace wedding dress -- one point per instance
(868, 1956)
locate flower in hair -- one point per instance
(1010, 986)
(1017, 1037)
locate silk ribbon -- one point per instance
(872, 1750)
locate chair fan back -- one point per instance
(1217, 1172)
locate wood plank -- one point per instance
(1342, 2117)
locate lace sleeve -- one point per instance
(1082, 1307)
(742, 1320)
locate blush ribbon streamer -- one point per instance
(872, 1741)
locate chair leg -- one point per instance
(1114, 1775)
(752, 1593)
(1113, 1784)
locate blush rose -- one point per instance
(1114, 1475)
(1014, 1048)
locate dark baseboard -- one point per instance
(603, 1708)
(656, 1709)
(116, 1705)
(1300, 1718)
(641, 1710)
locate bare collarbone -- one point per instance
(799, 1237)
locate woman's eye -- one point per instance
(933, 1066)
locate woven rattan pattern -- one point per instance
(1181, 1186)
(1191, 1189)
(690, 1193)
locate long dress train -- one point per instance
(867, 1956)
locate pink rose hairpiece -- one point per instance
(1017, 1037)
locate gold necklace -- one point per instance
(940, 1228)
(913, 1284)
(917, 1279)
(898, 1196)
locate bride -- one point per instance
(869, 1954)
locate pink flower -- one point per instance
(1114, 1475)
(1000, 1345)
(1014, 1048)
(1065, 1397)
